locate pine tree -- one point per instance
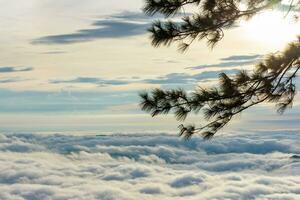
(272, 80)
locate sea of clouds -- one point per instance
(264, 165)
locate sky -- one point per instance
(71, 127)
(73, 65)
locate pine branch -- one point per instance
(271, 81)
(213, 17)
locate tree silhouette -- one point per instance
(272, 80)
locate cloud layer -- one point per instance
(257, 166)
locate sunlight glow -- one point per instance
(272, 28)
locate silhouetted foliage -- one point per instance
(272, 80)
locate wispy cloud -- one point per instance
(168, 79)
(124, 24)
(12, 79)
(92, 80)
(53, 52)
(184, 78)
(15, 69)
(241, 57)
(231, 61)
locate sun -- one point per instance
(272, 28)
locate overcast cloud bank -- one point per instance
(260, 166)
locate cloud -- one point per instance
(121, 25)
(151, 190)
(54, 52)
(184, 78)
(168, 79)
(241, 57)
(91, 80)
(12, 80)
(15, 69)
(133, 16)
(53, 166)
(186, 180)
(231, 61)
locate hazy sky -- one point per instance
(79, 65)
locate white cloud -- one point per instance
(149, 167)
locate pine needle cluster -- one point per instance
(211, 18)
